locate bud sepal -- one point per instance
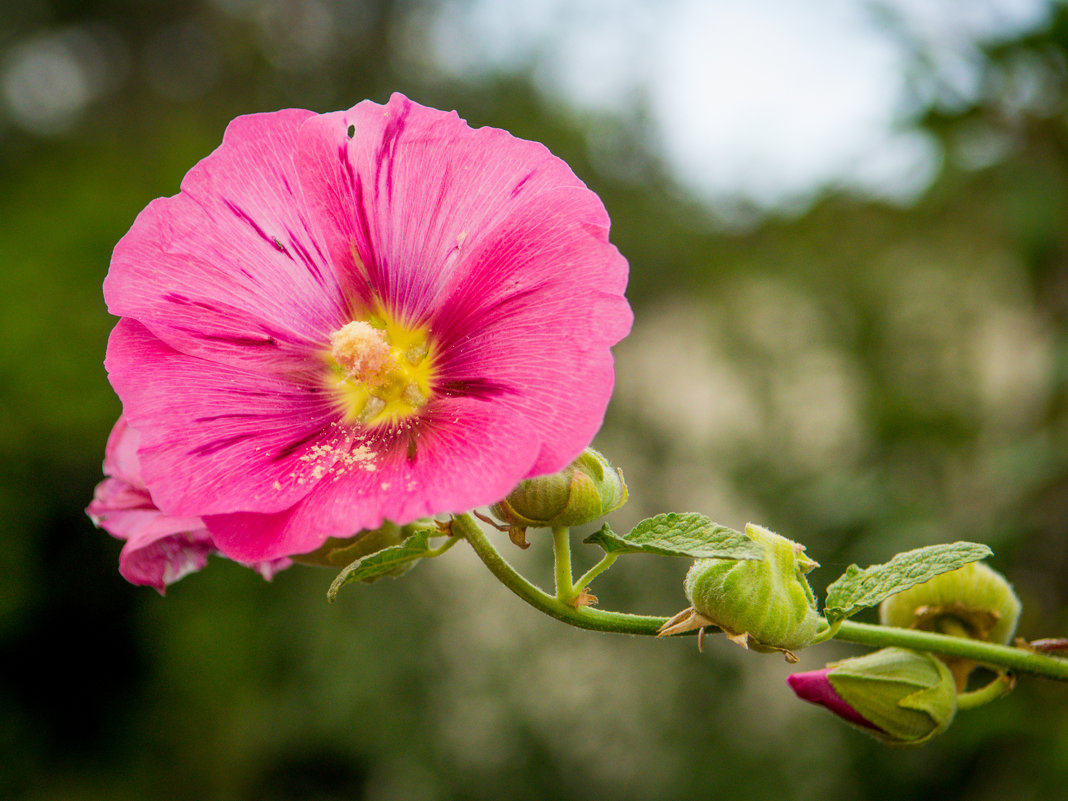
(974, 601)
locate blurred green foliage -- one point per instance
(862, 378)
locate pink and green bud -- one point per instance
(768, 604)
(902, 698)
(973, 601)
(584, 491)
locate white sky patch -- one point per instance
(763, 102)
(770, 99)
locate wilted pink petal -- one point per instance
(157, 556)
(159, 549)
(480, 260)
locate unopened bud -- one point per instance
(586, 490)
(767, 605)
(973, 601)
(900, 697)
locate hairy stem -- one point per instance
(582, 617)
(565, 582)
(441, 548)
(985, 653)
(587, 577)
(992, 691)
(996, 656)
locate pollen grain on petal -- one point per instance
(337, 460)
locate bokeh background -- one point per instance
(847, 224)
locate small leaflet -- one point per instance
(392, 561)
(690, 534)
(858, 589)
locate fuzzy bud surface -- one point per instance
(768, 600)
(586, 490)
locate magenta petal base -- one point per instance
(816, 688)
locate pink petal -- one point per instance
(248, 429)
(270, 568)
(159, 549)
(549, 363)
(157, 557)
(466, 454)
(490, 240)
(229, 269)
(816, 688)
(120, 454)
(412, 190)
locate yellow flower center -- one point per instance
(381, 370)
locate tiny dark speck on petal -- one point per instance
(352, 131)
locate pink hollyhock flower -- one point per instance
(159, 549)
(368, 315)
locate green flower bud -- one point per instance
(587, 489)
(900, 697)
(973, 601)
(339, 552)
(767, 605)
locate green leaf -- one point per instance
(691, 534)
(392, 561)
(858, 589)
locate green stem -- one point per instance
(587, 578)
(996, 656)
(984, 695)
(441, 548)
(827, 633)
(584, 617)
(565, 583)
